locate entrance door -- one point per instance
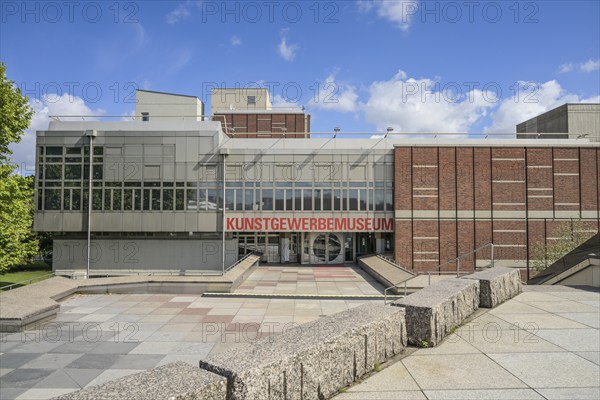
(326, 248)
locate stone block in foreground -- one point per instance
(497, 285)
(312, 360)
(434, 310)
(175, 381)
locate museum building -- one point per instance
(175, 191)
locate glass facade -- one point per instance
(63, 186)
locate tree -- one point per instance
(568, 236)
(15, 114)
(17, 243)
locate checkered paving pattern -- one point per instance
(97, 338)
(315, 279)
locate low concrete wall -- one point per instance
(433, 311)
(31, 304)
(178, 380)
(143, 255)
(497, 285)
(313, 360)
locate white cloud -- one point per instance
(287, 51)
(590, 66)
(400, 12)
(51, 105)
(528, 101)
(181, 12)
(335, 96)
(281, 102)
(563, 69)
(423, 105)
(235, 41)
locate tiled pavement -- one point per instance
(97, 338)
(543, 344)
(322, 280)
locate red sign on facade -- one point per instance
(307, 224)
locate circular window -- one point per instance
(335, 247)
(319, 247)
(327, 248)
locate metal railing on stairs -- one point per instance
(438, 269)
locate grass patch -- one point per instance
(377, 367)
(23, 273)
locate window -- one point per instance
(251, 100)
(249, 203)
(267, 199)
(229, 199)
(279, 199)
(52, 199)
(379, 200)
(145, 116)
(326, 199)
(308, 199)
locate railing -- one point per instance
(98, 274)
(362, 135)
(235, 264)
(27, 282)
(437, 270)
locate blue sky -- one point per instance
(415, 66)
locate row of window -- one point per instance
(265, 199)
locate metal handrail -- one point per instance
(23, 283)
(150, 273)
(238, 262)
(438, 270)
(378, 135)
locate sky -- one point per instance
(363, 66)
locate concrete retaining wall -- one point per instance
(178, 380)
(433, 311)
(313, 360)
(497, 285)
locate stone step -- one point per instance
(302, 296)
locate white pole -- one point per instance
(223, 221)
(89, 230)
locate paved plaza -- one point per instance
(543, 344)
(96, 338)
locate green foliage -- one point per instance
(377, 367)
(424, 344)
(15, 114)
(23, 276)
(568, 236)
(17, 242)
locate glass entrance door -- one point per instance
(365, 243)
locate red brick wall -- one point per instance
(265, 125)
(451, 200)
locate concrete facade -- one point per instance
(240, 99)
(572, 119)
(166, 106)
